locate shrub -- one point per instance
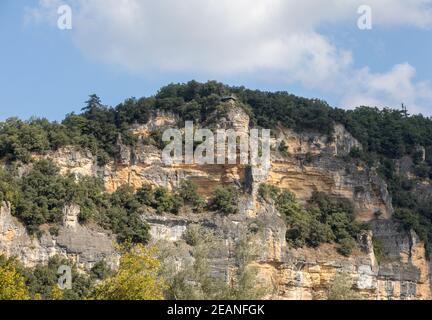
(196, 234)
(283, 149)
(407, 218)
(346, 246)
(100, 271)
(378, 250)
(342, 288)
(188, 191)
(163, 201)
(309, 158)
(145, 195)
(356, 153)
(224, 200)
(325, 220)
(268, 192)
(422, 170)
(40, 197)
(127, 225)
(155, 139)
(42, 280)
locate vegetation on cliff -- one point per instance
(326, 219)
(137, 278)
(144, 273)
(386, 135)
(12, 283)
(197, 280)
(341, 288)
(39, 197)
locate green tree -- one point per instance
(224, 200)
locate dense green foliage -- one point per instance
(325, 220)
(165, 202)
(40, 196)
(225, 200)
(390, 133)
(101, 283)
(97, 129)
(386, 135)
(413, 209)
(41, 282)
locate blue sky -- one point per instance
(132, 49)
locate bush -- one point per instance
(196, 234)
(326, 219)
(145, 195)
(342, 288)
(407, 218)
(100, 271)
(356, 153)
(422, 170)
(268, 192)
(40, 196)
(163, 201)
(188, 191)
(346, 246)
(309, 158)
(378, 250)
(283, 149)
(43, 279)
(155, 139)
(127, 225)
(224, 200)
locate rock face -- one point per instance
(83, 245)
(313, 162)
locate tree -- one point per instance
(137, 277)
(42, 281)
(163, 202)
(12, 283)
(246, 283)
(145, 195)
(224, 199)
(92, 103)
(188, 191)
(196, 279)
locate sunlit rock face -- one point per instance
(313, 162)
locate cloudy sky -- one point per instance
(123, 48)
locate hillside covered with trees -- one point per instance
(386, 135)
(38, 197)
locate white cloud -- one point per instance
(45, 12)
(268, 38)
(389, 89)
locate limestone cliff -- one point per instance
(313, 162)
